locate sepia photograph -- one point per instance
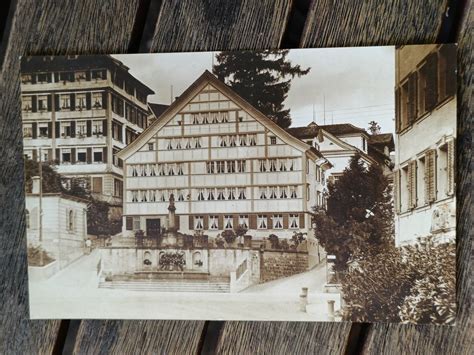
(276, 185)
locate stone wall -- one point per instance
(278, 264)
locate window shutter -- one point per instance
(397, 110)
(451, 61)
(56, 103)
(302, 220)
(73, 155)
(129, 223)
(104, 99)
(104, 155)
(431, 81)
(58, 155)
(412, 97)
(88, 75)
(451, 167)
(430, 175)
(49, 102)
(89, 128)
(220, 222)
(73, 129)
(396, 194)
(34, 128)
(89, 155)
(253, 221)
(50, 129)
(73, 101)
(191, 222)
(412, 184)
(88, 100)
(206, 222)
(269, 222)
(34, 106)
(285, 220)
(57, 132)
(104, 128)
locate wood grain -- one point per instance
(139, 337)
(216, 24)
(424, 339)
(283, 338)
(333, 23)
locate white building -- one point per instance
(339, 143)
(79, 111)
(426, 131)
(226, 164)
(63, 225)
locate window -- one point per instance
(118, 188)
(81, 129)
(66, 156)
(198, 222)
(283, 192)
(241, 166)
(277, 221)
(242, 195)
(97, 100)
(136, 223)
(221, 167)
(214, 222)
(80, 75)
(308, 192)
(263, 193)
(65, 101)
(200, 195)
(150, 146)
(220, 194)
(27, 218)
(273, 140)
(228, 222)
(65, 129)
(244, 221)
(134, 196)
(81, 101)
(262, 165)
(262, 222)
(44, 78)
(293, 192)
(42, 103)
(97, 156)
(211, 194)
(70, 220)
(97, 127)
(230, 166)
(252, 139)
(81, 156)
(273, 192)
(98, 74)
(26, 78)
(43, 131)
(144, 195)
(27, 130)
(293, 221)
(26, 103)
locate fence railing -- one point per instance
(241, 269)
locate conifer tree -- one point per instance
(263, 78)
(359, 213)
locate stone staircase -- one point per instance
(157, 285)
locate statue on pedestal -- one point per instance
(170, 237)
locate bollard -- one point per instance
(303, 299)
(331, 310)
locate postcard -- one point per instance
(285, 185)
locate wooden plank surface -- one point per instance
(333, 23)
(220, 25)
(424, 339)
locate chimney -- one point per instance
(35, 189)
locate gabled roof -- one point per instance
(157, 109)
(188, 94)
(343, 128)
(305, 132)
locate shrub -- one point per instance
(229, 236)
(284, 244)
(34, 256)
(274, 241)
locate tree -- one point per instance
(359, 213)
(260, 78)
(374, 128)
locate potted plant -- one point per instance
(240, 231)
(229, 236)
(274, 242)
(219, 241)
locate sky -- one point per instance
(344, 85)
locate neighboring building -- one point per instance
(80, 111)
(64, 224)
(226, 164)
(426, 131)
(339, 143)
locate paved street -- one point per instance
(73, 293)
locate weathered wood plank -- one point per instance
(283, 338)
(333, 23)
(57, 27)
(138, 337)
(396, 339)
(218, 25)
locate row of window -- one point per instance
(64, 102)
(275, 221)
(427, 179)
(65, 129)
(426, 88)
(170, 169)
(32, 219)
(215, 194)
(210, 117)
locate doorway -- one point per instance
(153, 227)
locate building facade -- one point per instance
(63, 225)
(79, 111)
(425, 199)
(226, 165)
(339, 143)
